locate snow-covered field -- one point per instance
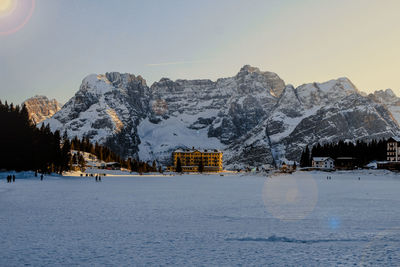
(293, 220)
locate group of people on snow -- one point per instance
(10, 178)
(41, 175)
(97, 176)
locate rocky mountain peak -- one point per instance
(97, 85)
(319, 94)
(251, 79)
(388, 99)
(390, 92)
(249, 69)
(41, 108)
(121, 79)
(253, 116)
(385, 96)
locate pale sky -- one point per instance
(301, 40)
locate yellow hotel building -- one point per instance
(191, 159)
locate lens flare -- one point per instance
(290, 197)
(334, 223)
(14, 15)
(7, 7)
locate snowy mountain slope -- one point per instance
(159, 141)
(121, 111)
(253, 116)
(207, 114)
(235, 105)
(314, 113)
(104, 107)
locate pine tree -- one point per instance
(308, 157)
(305, 160)
(81, 161)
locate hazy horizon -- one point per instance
(301, 41)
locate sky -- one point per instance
(48, 46)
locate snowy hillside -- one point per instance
(253, 116)
(105, 106)
(313, 113)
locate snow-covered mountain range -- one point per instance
(254, 117)
(41, 108)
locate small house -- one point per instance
(346, 163)
(113, 166)
(323, 163)
(288, 166)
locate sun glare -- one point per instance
(6, 6)
(14, 15)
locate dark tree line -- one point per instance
(101, 152)
(363, 152)
(25, 147)
(142, 167)
(305, 159)
(104, 153)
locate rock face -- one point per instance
(41, 108)
(106, 109)
(254, 117)
(314, 113)
(389, 100)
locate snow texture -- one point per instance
(202, 220)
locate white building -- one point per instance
(393, 149)
(323, 163)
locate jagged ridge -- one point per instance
(254, 117)
(41, 108)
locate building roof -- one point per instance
(199, 150)
(395, 138)
(112, 163)
(322, 158)
(288, 162)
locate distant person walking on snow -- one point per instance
(13, 178)
(41, 177)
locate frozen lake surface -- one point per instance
(296, 220)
